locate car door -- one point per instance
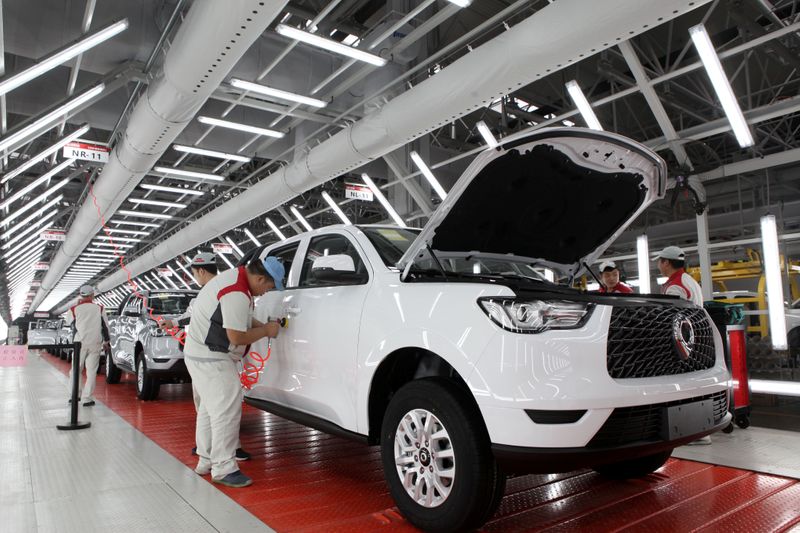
(322, 337)
(127, 335)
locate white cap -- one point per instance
(672, 252)
(607, 265)
(204, 259)
(86, 290)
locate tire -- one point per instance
(633, 468)
(147, 386)
(743, 421)
(729, 428)
(476, 486)
(113, 373)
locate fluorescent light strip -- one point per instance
(460, 3)
(781, 388)
(24, 264)
(155, 281)
(33, 216)
(235, 248)
(30, 229)
(30, 205)
(329, 44)
(23, 248)
(62, 56)
(225, 259)
(137, 224)
(126, 231)
(115, 239)
(112, 246)
(210, 153)
(143, 214)
(384, 202)
(643, 262)
(140, 282)
(100, 256)
(176, 190)
(428, 175)
(300, 218)
(772, 270)
(252, 237)
(169, 281)
(47, 121)
(179, 277)
(275, 229)
(580, 101)
(209, 121)
(25, 254)
(722, 86)
(22, 245)
(44, 154)
(104, 251)
(187, 272)
(487, 135)
(43, 178)
(188, 173)
(106, 261)
(336, 208)
(158, 203)
(277, 93)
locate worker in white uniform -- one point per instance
(220, 329)
(204, 269)
(672, 264)
(91, 331)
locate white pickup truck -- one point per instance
(447, 349)
(140, 347)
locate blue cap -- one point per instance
(275, 269)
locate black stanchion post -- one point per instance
(76, 381)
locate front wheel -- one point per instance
(146, 385)
(113, 373)
(633, 468)
(437, 458)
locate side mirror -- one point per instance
(130, 310)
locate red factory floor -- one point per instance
(305, 480)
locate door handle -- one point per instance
(292, 310)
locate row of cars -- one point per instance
(449, 350)
(54, 336)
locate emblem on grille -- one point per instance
(683, 332)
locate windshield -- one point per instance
(170, 303)
(391, 243)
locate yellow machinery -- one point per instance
(751, 268)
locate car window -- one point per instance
(326, 245)
(285, 255)
(390, 243)
(169, 303)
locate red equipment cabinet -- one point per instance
(741, 385)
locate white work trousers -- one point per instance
(218, 401)
(90, 359)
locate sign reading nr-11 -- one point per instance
(87, 152)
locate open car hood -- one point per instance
(558, 197)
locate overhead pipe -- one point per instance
(531, 50)
(212, 39)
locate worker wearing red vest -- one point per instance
(91, 331)
(672, 263)
(609, 275)
(220, 328)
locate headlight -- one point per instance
(535, 316)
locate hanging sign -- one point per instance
(87, 152)
(164, 272)
(53, 235)
(222, 248)
(355, 191)
(40, 266)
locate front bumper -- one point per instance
(171, 370)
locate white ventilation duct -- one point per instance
(558, 35)
(212, 39)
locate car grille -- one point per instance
(642, 344)
(627, 425)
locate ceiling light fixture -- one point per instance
(176, 190)
(330, 45)
(235, 248)
(583, 105)
(487, 135)
(115, 239)
(137, 224)
(772, 271)
(336, 208)
(143, 214)
(252, 237)
(230, 265)
(722, 86)
(46, 219)
(33, 216)
(30, 205)
(158, 203)
(13, 173)
(275, 229)
(384, 202)
(188, 174)
(179, 277)
(47, 121)
(277, 93)
(428, 175)
(210, 153)
(126, 231)
(300, 218)
(43, 178)
(209, 121)
(62, 56)
(643, 263)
